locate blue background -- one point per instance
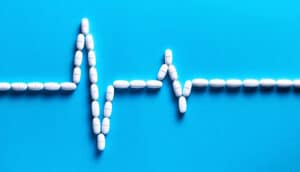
(222, 131)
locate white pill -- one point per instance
(35, 86)
(162, 72)
(110, 92)
(121, 84)
(94, 92)
(233, 83)
(105, 125)
(96, 125)
(101, 142)
(95, 108)
(80, 41)
(187, 88)
(68, 86)
(78, 58)
(137, 84)
(51, 86)
(284, 83)
(76, 75)
(182, 104)
(85, 28)
(154, 84)
(296, 83)
(217, 83)
(177, 88)
(168, 56)
(92, 58)
(173, 72)
(18, 86)
(200, 82)
(107, 109)
(252, 83)
(266, 82)
(4, 86)
(93, 75)
(89, 42)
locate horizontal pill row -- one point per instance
(137, 84)
(37, 86)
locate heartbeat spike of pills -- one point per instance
(182, 92)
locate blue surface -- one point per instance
(221, 132)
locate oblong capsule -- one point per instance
(85, 26)
(217, 83)
(121, 84)
(200, 82)
(18, 86)
(96, 125)
(173, 72)
(5, 86)
(105, 125)
(68, 86)
(94, 92)
(162, 72)
(80, 41)
(110, 92)
(107, 109)
(78, 58)
(101, 142)
(137, 84)
(266, 82)
(93, 75)
(233, 83)
(35, 86)
(51, 86)
(284, 83)
(250, 83)
(168, 56)
(76, 75)
(182, 104)
(187, 88)
(89, 42)
(296, 83)
(154, 84)
(177, 88)
(92, 58)
(95, 108)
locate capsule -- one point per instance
(154, 84)
(162, 72)
(101, 142)
(92, 58)
(233, 83)
(200, 82)
(217, 83)
(296, 83)
(68, 86)
(4, 86)
(284, 83)
(35, 86)
(187, 88)
(173, 72)
(18, 86)
(137, 84)
(251, 83)
(107, 109)
(93, 75)
(80, 41)
(51, 86)
(95, 108)
(78, 58)
(105, 125)
(177, 88)
(168, 56)
(121, 84)
(96, 125)
(76, 75)
(89, 42)
(266, 82)
(110, 92)
(85, 28)
(182, 104)
(94, 92)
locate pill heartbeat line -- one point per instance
(182, 92)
